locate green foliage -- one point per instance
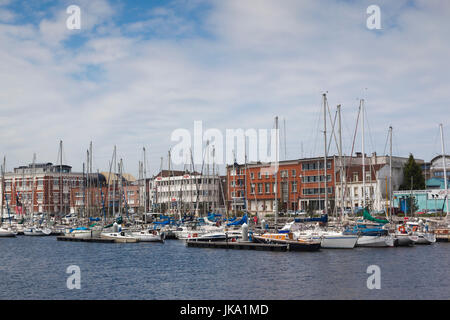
(412, 172)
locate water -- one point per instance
(35, 268)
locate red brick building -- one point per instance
(301, 186)
(39, 188)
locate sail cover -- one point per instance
(367, 216)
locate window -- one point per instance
(294, 186)
(252, 188)
(259, 175)
(252, 175)
(267, 187)
(355, 176)
(294, 173)
(368, 176)
(260, 188)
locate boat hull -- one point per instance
(148, 237)
(37, 232)
(426, 238)
(375, 241)
(83, 234)
(4, 233)
(338, 242)
(404, 240)
(118, 237)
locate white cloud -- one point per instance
(260, 59)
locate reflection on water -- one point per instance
(35, 268)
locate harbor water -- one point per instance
(36, 268)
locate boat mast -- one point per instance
(341, 165)
(445, 169)
(88, 208)
(3, 191)
(169, 195)
(363, 155)
(275, 209)
(114, 182)
(389, 210)
(145, 185)
(326, 151)
(61, 189)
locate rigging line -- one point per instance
(317, 130)
(333, 130)
(370, 131)
(351, 155)
(385, 145)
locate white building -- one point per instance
(377, 180)
(183, 192)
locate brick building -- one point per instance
(39, 188)
(301, 186)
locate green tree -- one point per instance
(412, 174)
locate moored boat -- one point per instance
(148, 236)
(37, 231)
(294, 244)
(120, 236)
(7, 233)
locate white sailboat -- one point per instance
(423, 236)
(84, 233)
(329, 239)
(121, 236)
(4, 232)
(7, 233)
(148, 235)
(37, 231)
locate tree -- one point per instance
(412, 176)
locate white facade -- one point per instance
(376, 190)
(185, 193)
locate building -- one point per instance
(182, 192)
(110, 200)
(352, 192)
(434, 197)
(39, 188)
(300, 186)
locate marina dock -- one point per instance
(237, 245)
(63, 238)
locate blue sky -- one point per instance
(138, 70)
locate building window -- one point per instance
(252, 175)
(260, 188)
(294, 186)
(252, 190)
(294, 173)
(355, 177)
(267, 187)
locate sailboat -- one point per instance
(376, 236)
(5, 232)
(330, 239)
(443, 232)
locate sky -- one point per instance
(136, 71)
